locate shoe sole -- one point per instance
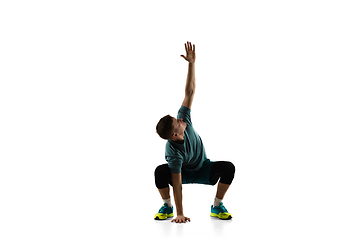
(167, 216)
(222, 218)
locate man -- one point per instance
(186, 157)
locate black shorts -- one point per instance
(208, 174)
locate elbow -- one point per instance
(190, 92)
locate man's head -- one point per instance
(171, 128)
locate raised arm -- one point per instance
(190, 81)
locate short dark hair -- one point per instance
(165, 127)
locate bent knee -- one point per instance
(230, 167)
(229, 173)
(162, 176)
(162, 170)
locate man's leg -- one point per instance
(221, 190)
(162, 180)
(165, 193)
(225, 171)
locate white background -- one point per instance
(84, 83)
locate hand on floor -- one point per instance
(181, 219)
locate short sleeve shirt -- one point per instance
(190, 155)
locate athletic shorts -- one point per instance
(208, 174)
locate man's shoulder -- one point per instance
(185, 114)
(173, 146)
(184, 109)
(168, 145)
(173, 149)
(169, 148)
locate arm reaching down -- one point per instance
(177, 187)
(190, 81)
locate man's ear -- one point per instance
(174, 135)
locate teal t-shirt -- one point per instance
(189, 155)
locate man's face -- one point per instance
(179, 125)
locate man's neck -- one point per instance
(179, 140)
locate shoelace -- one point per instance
(162, 209)
(223, 209)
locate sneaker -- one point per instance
(164, 212)
(220, 212)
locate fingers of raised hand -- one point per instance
(189, 47)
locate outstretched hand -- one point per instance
(181, 219)
(190, 52)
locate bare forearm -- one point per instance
(190, 81)
(178, 200)
(190, 57)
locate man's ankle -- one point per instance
(168, 202)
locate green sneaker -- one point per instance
(220, 212)
(164, 212)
